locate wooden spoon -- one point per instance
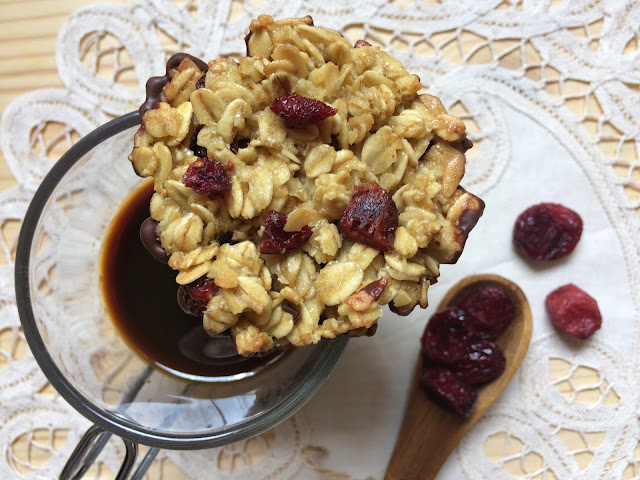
(429, 433)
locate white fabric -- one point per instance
(533, 146)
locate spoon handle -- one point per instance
(427, 437)
(429, 433)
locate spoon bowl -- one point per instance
(430, 433)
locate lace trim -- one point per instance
(570, 66)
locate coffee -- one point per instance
(139, 293)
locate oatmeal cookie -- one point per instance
(310, 180)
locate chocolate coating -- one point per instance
(288, 307)
(403, 311)
(246, 41)
(469, 219)
(225, 237)
(356, 332)
(462, 145)
(197, 150)
(371, 331)
(181, 297)
(155, 85)
(150, 240)
(376, 288)
(201, 80)
(359, 332)
(465, 224)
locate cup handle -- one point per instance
(88, 449)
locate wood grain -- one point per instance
(28, 32)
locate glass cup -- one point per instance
(75, 343)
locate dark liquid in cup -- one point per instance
(140, 296)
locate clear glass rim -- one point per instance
(110, 421)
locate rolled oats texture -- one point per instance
(383, 131)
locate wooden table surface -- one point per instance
(27, 62)
(28, 32)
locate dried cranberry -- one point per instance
(446, 337)
(574, 311)
(207, 177)
(197, 150)
(448, 390)
(362, 43)
(193, 298)
(489, 310)
(298, 111)
(547, 231)
(482, 362)
(371, 217)
(276, 240)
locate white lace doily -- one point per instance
(550, 92)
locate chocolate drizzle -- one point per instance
(150, 240)
(288, 307)
(376, 288)
(155, 85)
